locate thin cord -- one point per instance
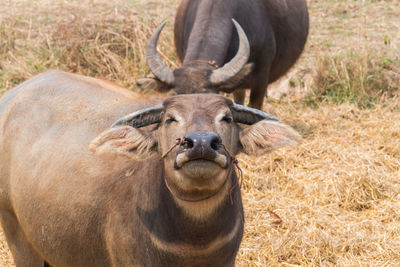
(177, 142)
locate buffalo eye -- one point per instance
(169, 120)
(227, 119)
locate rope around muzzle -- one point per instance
(177, 143)
(234, 162)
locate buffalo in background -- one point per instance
(263, 42)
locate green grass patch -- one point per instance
(359, 77)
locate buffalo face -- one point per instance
(196, 138)
(199, 166)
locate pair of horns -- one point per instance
(152, 115)
(217, 77)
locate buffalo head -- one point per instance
(197, 76)
(210, 130)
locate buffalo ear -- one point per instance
(153, 84)
(230, 85)
(124, 140)
(267, 135)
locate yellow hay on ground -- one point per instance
(337, 194)
(104, 39)
(5, 254)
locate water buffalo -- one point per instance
(218, 55)
(86, 182)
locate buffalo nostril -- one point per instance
(187, 143)
(216, 143)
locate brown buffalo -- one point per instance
(85, 184)
(218, 55)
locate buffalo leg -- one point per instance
(23, 253)
(259, 89)
(257, 97)
(239, 96)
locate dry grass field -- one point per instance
(334, 200)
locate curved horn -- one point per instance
(248, 115)
(233, 67)
(142, 117)
(153, 60)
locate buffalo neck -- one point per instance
(167, 221)
(211, 31)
